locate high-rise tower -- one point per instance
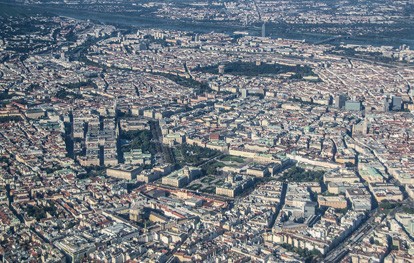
(264, 29)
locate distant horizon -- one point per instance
(276, 31)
